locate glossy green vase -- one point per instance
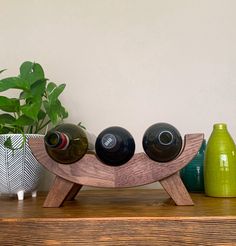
(192, 174)
(220, 163)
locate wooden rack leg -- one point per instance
(74, 191)
(174, 186)
(58, 193)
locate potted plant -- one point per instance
(27, 115)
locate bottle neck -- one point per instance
(110, 142)
(57, 140)
(165, 138)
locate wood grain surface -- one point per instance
(174, 186)
(118, 217)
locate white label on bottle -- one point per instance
(109, 141)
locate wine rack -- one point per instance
(138, 171)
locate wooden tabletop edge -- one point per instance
(159, 218)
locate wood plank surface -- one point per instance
(118, 217)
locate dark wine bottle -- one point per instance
(115, 146)
(162, 142)
(68, 143)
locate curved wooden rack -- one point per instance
(140, 170)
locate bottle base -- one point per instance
(221, 195)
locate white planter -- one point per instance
(19, 170)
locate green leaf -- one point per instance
(59, 109)
(29, 113)
(55, 93)
(55, 111)
(31, 72)
(6, 119)
(41, 115)
(4, 130)
(50, 87)
(8, 143)
(46, 106)
(37, 89)
(63, 113)
(52, 113)
(24, 120)
(2, 70)
(53, 107)
(32, 109)
(82, 126)
(24, 95)
(13, 83)
(9, 104)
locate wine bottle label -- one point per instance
(165, 138)
(109, 141)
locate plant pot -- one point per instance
(20, 172)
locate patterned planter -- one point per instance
(19, 170)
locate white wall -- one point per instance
(130, 62)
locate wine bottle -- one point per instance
(68, 143)
(115, 146)
(162, 142)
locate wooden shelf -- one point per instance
(118, 217)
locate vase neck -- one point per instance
(220, 126)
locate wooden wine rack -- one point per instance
(140, 170)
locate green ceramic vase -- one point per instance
(192, 174)
(220, 163)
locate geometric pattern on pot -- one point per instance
(20, 172)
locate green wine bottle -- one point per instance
(162, 142)
(68, 143)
